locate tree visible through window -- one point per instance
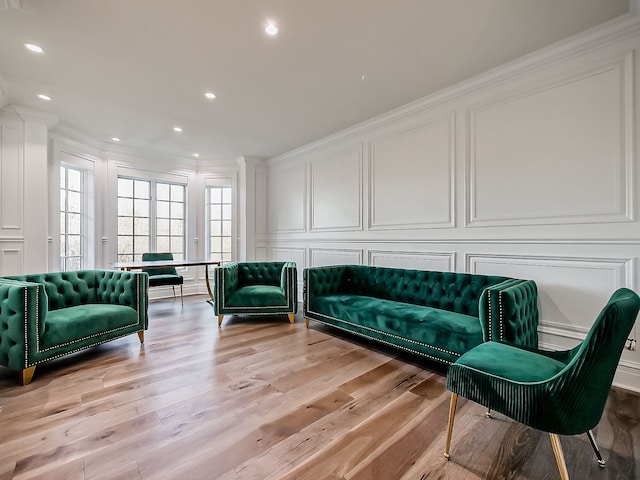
(71, 218)
(150, 222)
(219, 222)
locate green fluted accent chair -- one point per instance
(256, 288)
(562, 393)
(163, 276)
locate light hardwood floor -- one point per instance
(259, 398)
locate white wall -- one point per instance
(31, 152)
(530, 171)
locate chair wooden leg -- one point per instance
(26, 375)
(220, 318)
(292, 317)
(307, 322)
(594, 445)
(141, 335)
(174, 291)
(181, 296)
(557, 451)
(452, 414)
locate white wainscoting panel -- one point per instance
(11, 179)
(261, 254)
(336, 190)
(430, 261)
(319, 257)
(411, 178)
(572, 291)
(11, 260)
(555, 155)
(287, 198)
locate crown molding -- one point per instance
(616, 30)
(27, 114)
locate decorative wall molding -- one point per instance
(530, 140)
(11, 176)
(336, 190)
(412, 177)
(287, 190)
(337, 256)
(11, 260)
(435, 261)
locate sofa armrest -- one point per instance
(124, 288)
(225, 282)
(509, 313)
(23, 310)
(289, 280)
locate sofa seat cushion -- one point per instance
(452, 332)
(256, 296)
(72, 324)
(515, 365)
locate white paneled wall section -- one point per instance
(529, 171)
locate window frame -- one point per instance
(152, 236)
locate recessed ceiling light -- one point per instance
(44, 97)
(34, 48)
(210, 95)
(271, 28)
(115, 139)
(177, 129)
(196, 155)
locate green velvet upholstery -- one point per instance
(162, 276)
(558, 392)
(255, 288)
(439, 315)
(48, 315)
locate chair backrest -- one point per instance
(152, 257)
(581, 388)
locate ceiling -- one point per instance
(134, 69)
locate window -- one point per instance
(219, 222)
(72, 218)
(150, 218)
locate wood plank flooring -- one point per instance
(259, 398)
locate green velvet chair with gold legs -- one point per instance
(562, 393)
(163, 276)
(256, 288)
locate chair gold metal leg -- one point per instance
(220, 318)
(594, 445)
(452, 414)
(488, 413)
(307, 322)
(26, 375)
(141, 335)
(557, 451)
(292, 317)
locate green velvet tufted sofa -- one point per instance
(47, 315)
(438, 315)
(256, 288)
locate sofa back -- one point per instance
(456, 292)
(259, 273)
(66, 289)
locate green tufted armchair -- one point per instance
(563, 393)
(47, 315)
(256, 288)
